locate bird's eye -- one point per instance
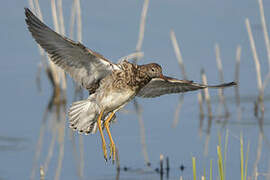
(153, 70)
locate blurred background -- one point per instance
(36, 143)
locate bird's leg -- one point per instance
(112, 145)
(102, 136)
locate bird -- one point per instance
(111, 86)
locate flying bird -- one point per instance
(111, 86)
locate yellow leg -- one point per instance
(112, 145)
(102, 136)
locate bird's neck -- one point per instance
(135, 75)
(141, 77)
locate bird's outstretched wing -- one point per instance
(167, 85)
(85, 66)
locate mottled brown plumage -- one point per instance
(111, 86)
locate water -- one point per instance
(111, 28)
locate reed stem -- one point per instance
(142, 25)
(178, 54)
(255, 57)
(221, 79)
(206, 94)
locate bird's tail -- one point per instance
(83, 116)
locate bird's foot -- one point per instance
(112, 151)
(104, 151)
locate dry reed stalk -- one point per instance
(200, 100)
(61, 138)
(79, 21)
(31, 5)
(78, 91)
(79, 38)
(117, 159)
(41, 136)
(177, 110)
(206, 145)
(57, 98)
(39, 146)
(56, 101)
(257, 66)
(35, 8)
(136, 105)
(142, 25)
(60, 162)
(258, 156)
(43, 62)
(236, 79)
(78, 94)
(266, 80)
(210, 115)
(206, 94)
(51, 65)
(61, 17)
(62, 31)
(144, 147)
(72, 18)
(138, 109)
(236, 76)
(38, 77)
(182, 67)
(51, 146)
(255, 56)
(265, 32)
(221, 79)
(60, 77)
(178, 54)
(266, 40)
(54, 15)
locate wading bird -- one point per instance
(111, 86)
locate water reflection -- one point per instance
(8, 143)
(54, 117)
(233, 114)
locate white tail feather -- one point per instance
(83, 115)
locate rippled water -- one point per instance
(111, 28)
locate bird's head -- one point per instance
(153, 70)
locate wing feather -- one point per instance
(159, 86)
(85, 66)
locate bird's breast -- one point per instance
(116, 99)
